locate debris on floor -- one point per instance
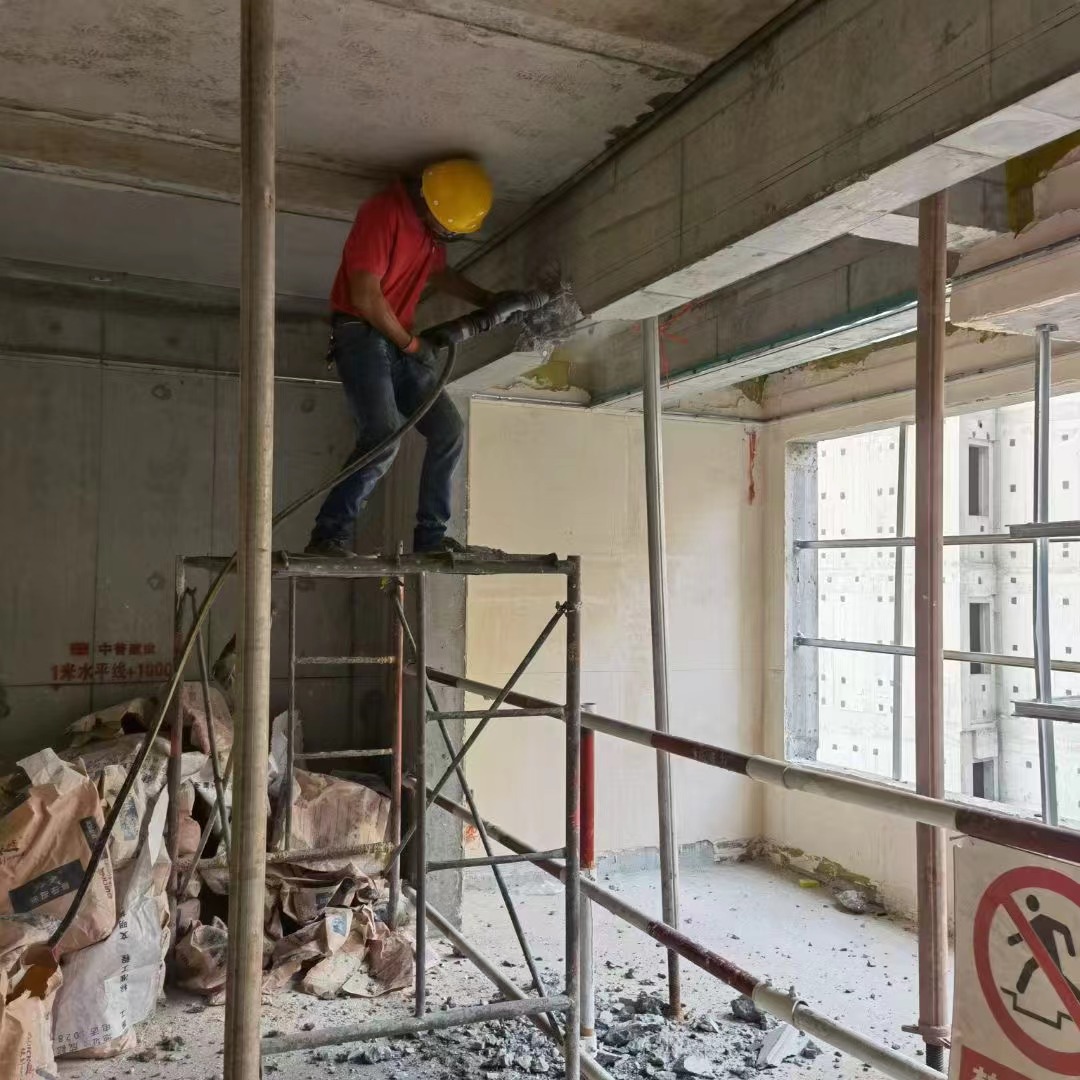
(320, 930)
(779, 1044)
(859, 902)
(635, 1042)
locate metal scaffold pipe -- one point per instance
(1041, 579)
(509, 989)
(654, 509)
(998, 828)
(931, 853)
(785, 1006)
(248, 852)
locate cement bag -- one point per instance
(201, 956)
(332, 813)
(111, 723)
(45, 845)
(312, 942)
(188, 831)
(107, 763)
(110, 987)
(193, 719)
(26, 1002)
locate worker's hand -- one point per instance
(420, 348)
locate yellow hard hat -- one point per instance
(458, 193)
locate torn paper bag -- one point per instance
(112, 986)
(45, 845)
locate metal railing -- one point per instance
(898, 801)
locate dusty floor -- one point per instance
(857, 969)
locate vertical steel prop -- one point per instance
(420, 802)
(176, 746)
(573, 819)
(1041, 577)
(398, 633)
(931, 852)
(898, 605)
(588, 872)
(654, 508)
(287, 788)
(247, 868)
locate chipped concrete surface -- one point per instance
(858, 969)
(366, 90)
(536, 93)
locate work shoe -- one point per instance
(330, 549)
(445, 545)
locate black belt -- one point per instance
(341, 318)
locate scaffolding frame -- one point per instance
(395, 571)
(255, 566)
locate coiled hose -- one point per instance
(200, 618)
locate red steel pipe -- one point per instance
(588, 800)
(397, 745)
(715, 964)
(1011, 831)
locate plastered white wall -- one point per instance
(543, 479)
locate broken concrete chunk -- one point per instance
(858, 902)
(616, 1036)
(695, 1065)
(743, 1008)
(852, 900)
(781, 1043)
(647, 1004)
(371, 1055)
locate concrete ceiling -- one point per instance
(367, 88)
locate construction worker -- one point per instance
(394, 249)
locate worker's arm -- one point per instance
(458, 285)
(365, 291)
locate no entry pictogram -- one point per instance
(1011, 908)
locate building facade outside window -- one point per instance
(855, 709)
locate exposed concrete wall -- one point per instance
(545, 479)
(110, 472)
(116, 460)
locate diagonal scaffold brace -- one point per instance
(478, 822)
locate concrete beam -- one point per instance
(851, 110)
(978, 211)
(847, 295)
(89, 152)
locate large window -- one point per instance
(851, 603)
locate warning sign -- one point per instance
(1016, 1013)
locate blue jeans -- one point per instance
(383, 385)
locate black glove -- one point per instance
(424, 351)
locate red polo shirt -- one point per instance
(389, 239)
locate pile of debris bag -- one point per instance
(85, 997)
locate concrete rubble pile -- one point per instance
(635, 1042)
(84, 997)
